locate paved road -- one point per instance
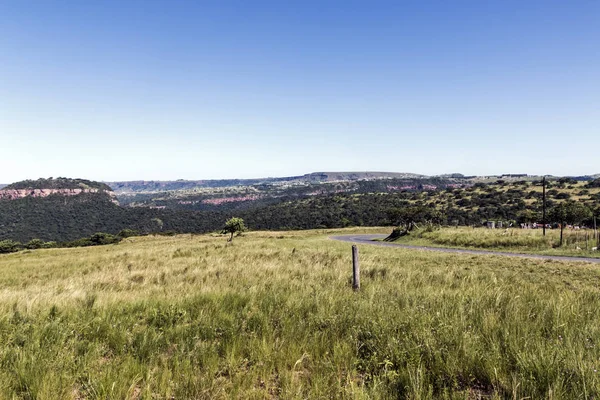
(368, 239)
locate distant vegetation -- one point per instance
(97, 239)
(317, 177)
(59, 218)
(456, 201)
(594, 184)
(58, 183)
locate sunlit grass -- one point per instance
(521, 240)
(273, 316)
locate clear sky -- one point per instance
(122, 90)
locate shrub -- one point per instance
(97, 239)
(593, 184)
(101, 238)
(35, 244)
(125, 233)
(9, 246)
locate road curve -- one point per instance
(369, 239)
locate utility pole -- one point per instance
(544, 204)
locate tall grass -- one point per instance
(489, 238)
(509, 239)
(273, 316)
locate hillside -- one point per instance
(59, 209)
(48, 187)
(65, 218)
(316, 177)
(76, 213)
(355, 176)
(58, 183)
(246, 196)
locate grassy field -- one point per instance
(273, 316)
(514, 240)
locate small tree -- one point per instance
(232, 226)
(34, 244)
(9, 246)
(408, 217)
(527, 216)
(569, 212)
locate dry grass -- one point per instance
(521, 240)
(273, 316)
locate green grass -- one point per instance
(511, 240)
(273, 316)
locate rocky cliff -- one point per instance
(46, 187)
(13, 194)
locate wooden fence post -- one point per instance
(586, 239)
(355, 269)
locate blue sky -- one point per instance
(121, 90)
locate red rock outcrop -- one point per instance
(13, 194)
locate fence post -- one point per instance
(355, 269)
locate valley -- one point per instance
(68, 209)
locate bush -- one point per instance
(125, 233)
(9, 246)
(97, 239)
(104, 238)
(167, 233)
(34, 244)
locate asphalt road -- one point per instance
(368, 239)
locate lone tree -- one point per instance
(569, 212)
(232, 226)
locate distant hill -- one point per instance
(56, 209)
(315, 177)
(65, 218)
(57, 183)
(66, 209)
(355, 176)
(2, 185)
(48, 187)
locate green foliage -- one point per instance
(410, 216)
(570, 212)
(9, 246)
(528, 216)
(35, 244)
(97, 239)
(330, 205)
(58, 183)
(126, 233)
(234, 225)
(68, 218)
(593, 184)
(104, 238)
